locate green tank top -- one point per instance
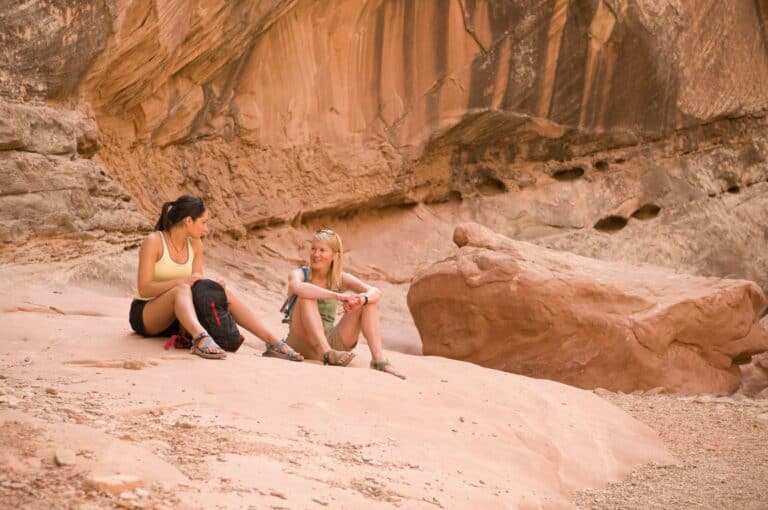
(326, 307)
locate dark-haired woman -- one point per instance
(170, 261)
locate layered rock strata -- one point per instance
(50, 188)
(517, 307)
(612, 128)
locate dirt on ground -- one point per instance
(721, 451)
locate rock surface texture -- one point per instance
(524, 309)
(49, 185)
(617, 129)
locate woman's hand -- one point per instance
(190, 280)
(354, 302)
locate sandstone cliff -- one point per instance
(570, 119)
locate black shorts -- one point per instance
(136, 318)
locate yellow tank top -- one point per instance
(168, 269)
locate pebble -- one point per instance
(113, 484)
(277, 494)
(52, 391)
(9, 401)
(142, 493)
(8, 484)
(128, 495)
(64, 457)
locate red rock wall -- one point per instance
(555, 121)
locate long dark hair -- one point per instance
(174, 212)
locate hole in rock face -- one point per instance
(491, 185)
(611, 224)
(601, 165)
(647, 212)
(454, 196)
(568, 174)
(619, 161)
(733, 189)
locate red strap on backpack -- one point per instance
(215, 314)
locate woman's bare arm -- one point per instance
(356, 285)
(297, 286)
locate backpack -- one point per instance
(212, 310)
(289, 303)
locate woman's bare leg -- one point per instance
(245, 317)
(176, 303)
(308, 324)
(365, 319)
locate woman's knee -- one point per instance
(305, 302)
(182, 290)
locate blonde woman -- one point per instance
(318, 288)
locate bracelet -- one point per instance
(366, 300)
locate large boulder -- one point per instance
(525, 309)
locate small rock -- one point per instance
(658, 390)
(114, 484)
(9, 484)
(52, 391)
(9, 401)
(64, 457)
(277, 494)
(320, 502)
(133, 364)
(128, 495)
(602, 392)
(142, 493)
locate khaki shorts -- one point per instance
(305, 349)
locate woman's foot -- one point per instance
(205, 347)
(282, 350)
(386, 366)
(338, 358)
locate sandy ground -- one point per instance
(721, 452)
(250, 432)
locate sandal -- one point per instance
(338, 358)
(209, 349)
(386, 366)
(273, 351)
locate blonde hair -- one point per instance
(332, 239)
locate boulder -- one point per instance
(754, 376)
(521, 308)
